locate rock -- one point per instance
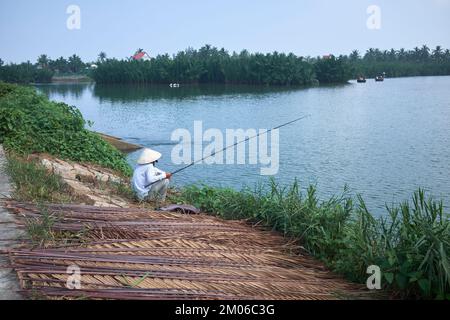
(83, 181)
(186, 208)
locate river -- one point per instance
(381, 139)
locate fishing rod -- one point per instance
(235, 144)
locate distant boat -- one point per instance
(379, 78)
(361, 79)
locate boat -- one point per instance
(123, 146)
(361, 79)
(379, 78)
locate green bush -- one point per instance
(30, 123)
(411, 244)
(333, 70)
(25, 73)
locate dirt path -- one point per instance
(9, 285)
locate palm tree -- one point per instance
(437, 52)
(392, 54)
(416, 53)
(102, 56)
(402, 54)
(354, 55)
(424, 53)
(43, 61)
(75, 63)
(447, 54)
(370, 55)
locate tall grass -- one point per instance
(34, 183)
(410, 244)
(40, 230)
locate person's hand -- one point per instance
(168, 175)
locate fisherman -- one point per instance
(148, 182)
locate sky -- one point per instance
(304, 27)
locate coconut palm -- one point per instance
(437, 53)
(424, 53)
(354, 55)
(102, 56)
(75, 63)
(43, 61)
(402, 54)
(447, 54)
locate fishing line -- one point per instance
(234, 145)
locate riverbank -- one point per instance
(346, 238)
(173, 255)
(411, 246)
(72, 79)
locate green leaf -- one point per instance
(389, 277)
(402, 281)
(425, 285)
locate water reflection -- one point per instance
(139, 93)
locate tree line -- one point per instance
(42, 70)
(212, 65)
(421, 61)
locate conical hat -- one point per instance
(149, 156)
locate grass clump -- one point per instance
(411, 244)
(35, 183)
(30, 123)
(40, 230)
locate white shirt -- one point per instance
(143, 176)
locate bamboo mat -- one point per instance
(141, 254)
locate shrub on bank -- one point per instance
(411, 244)
(333, 70)
(25, 73)
(30, 123)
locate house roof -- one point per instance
(139, 55)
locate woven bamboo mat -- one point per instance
(141, 254)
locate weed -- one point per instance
(411, 244)
(40, 229)
(34, 183)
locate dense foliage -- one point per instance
(42, 71)
(30, 123)
(333, 70)
(209, 65)
(25, 73)
(411, 245)
(400, 63)
(212, 65)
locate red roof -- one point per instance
(139, 56)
